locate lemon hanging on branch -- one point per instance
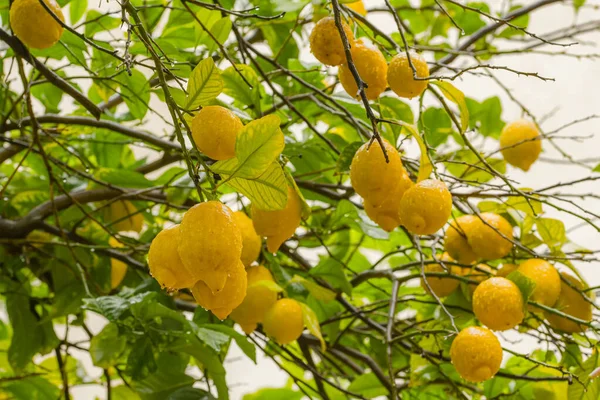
(573, 303)
(521, 144)
(34, 25)
(283, 321)
(425, 207)
(326, 43)
(400, 75)
(215, 130)
(442, 286)
(251, 242)
(164, 261)
(498, 304)
(547, 281)
(372, 68)
(476, 354)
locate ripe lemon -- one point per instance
(372, 68)
(573, 303)
(442, 287)
(400, 76)
(123, 216)
(215, 130)
(278, 225)
(118, 268)
(425, 207)
(546, 278)
(326, 43)
(387, 214)
(35, 26)
(164, 261)
(210, 243)
(259, 299)
(283, 321)
(507, 269)
(498, 304)
(358, 6)
(520, 144)
(456, 242)
(250, 240)
(478, 273)
(222, 303)
(371, 176)
(491, 237)
(476, 354)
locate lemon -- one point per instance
(215, 130)
(478, 273)
(387, 214)
(372, 68)
(118, 268)
(507, 269)
(476, 354)
(250, 240)
(123, 216)
(442, 287)
(210, 243)
(35, 26)
(223, 302)
(358, 6)
(491, 237)
(326, 43)
(571, 302)
(456, 242)
(520, 144)
(372, 177)
(426, 207)
(164, 261)
(498, 304)
(259, 299)
(400, 75)
(546, 278)
(278, 225)
(283, 321)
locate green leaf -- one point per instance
(466, 165)
(436, 126)
(345, 159)
(425, 166)
(190, 393)
(257, 146)
(111, 307)
(220, 31)
(123, 178)
(552, 231)
(272, 286)
(238, 89)
(76, 10)
(318, 291)
(135, 90)
(168, 378)
(578, 4)
(241, 340)
(525, 284)
(107, 347)
(141, 361)
(268, 191)
(32, 388)
(213, 339)
(486, 117)
(597, 168)
(588, 389)
(274, 394)
(367, 385)
(312, 324)
(204, 85)
(99, 22)
(457, 97)
(331, 270)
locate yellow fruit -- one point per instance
(358, 6)
(571, 302)
(283, 321)
(400, 75)
(520, 144)
(498, 304)
(455, 240)
(426, 207)
(222, 303)
(118, 269)
(251, 242)
(259, 299)
(387, 215)
(476, 354)
(35, 26)
(546, 278)
(210, 243)
(491, 237)
(326, 43)
(123, 216)
(164, 261)
(279, 225)
(372, 68)
(442, 287)
(478, 273)
(507, 269)
(371, 176)
(215, 130)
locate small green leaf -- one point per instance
(213, 339)
(204, 85)
(436, 125)
(237, 88)
(107, 346)
(123, 178)
(220, 31)
(318, 291)
(597, 168)
(135, 90)
(312, 324)
(457, 97)
(345, 159)
(552, 231)
(368, 385)
(141, 361)
(274, 394)
(241, 340)
(268, 191)
(525, 284)
(331, 270)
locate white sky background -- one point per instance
(573, 95)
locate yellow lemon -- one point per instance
(400, 75)
(455, 240)
(387, 214)
(478, 273)
(250, 240)
(123, 216)
(118, 268)
(210, 243)
(372, 68)
(283, 321)
(326, 42)
(222, 303)
(164, 261)
(32, 24)
(358, 6)
(571, 302)
(520, 144)
(498, 304)
(259, 298)
(476, 354)
(546, 278)
(215, 130)
(442, 287)
(507, 269)
(491, 237)
(426, 207)
(278, 225)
